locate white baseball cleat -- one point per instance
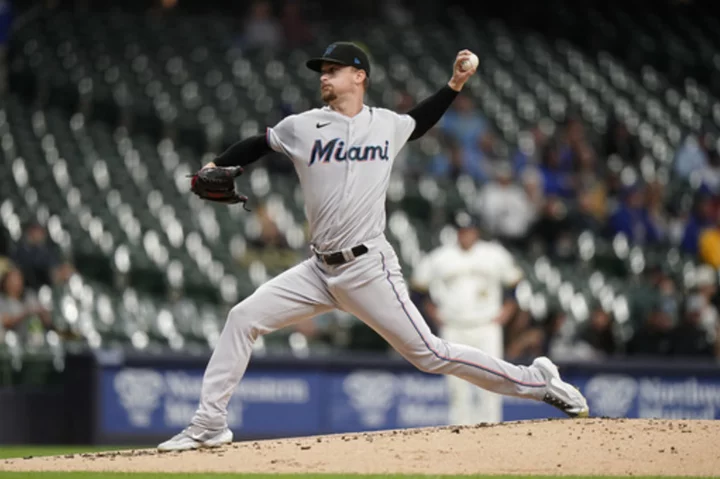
(560, 394)
(196, 437)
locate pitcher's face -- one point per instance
(339, 80)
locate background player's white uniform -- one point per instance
(467, 287)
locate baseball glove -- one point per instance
(218, 184)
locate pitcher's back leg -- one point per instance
(383, 303)
(297, 294)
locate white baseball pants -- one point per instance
(469, 404)
(371, 288)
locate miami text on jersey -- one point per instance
(335, 149)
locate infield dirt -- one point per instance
(551, 447)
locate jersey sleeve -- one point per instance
(404, 126)
(510, 272)
(422, 274)
(282, 136)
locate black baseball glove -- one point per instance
(218, 184)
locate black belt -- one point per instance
(332, 259)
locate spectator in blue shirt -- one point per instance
(558, 181)
(633, 219)
(530, 146)
(453, 161)
(572, 140)
(464, 123)
(703, 216)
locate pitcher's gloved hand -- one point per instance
(218, 184)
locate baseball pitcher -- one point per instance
(466, 283)
(343, 154)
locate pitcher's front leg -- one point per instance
(297, 294)
(293, 296)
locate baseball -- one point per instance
(472, 62)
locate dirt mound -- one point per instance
(591, 446)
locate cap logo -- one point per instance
(329, 50)
(357, 61)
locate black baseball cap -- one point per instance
(463, 220)
(343, 53)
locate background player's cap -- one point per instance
(343, 53)
(463, 220)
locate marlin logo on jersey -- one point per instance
(337, 150)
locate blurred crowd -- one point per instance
(262, 28)
(562, 181)
(26, 266)
(676, 322)
(559, 180)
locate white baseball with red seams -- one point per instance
(472, 62)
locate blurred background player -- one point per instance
(467, 284)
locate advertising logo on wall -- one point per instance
(139, 392)
(611, 395)
(371, 394)
(137, 400)
(282, 402)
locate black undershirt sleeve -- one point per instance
(429, 111)
(244, 152)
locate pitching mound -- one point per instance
(592, 446)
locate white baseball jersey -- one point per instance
(344, 167)
(467, 286)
